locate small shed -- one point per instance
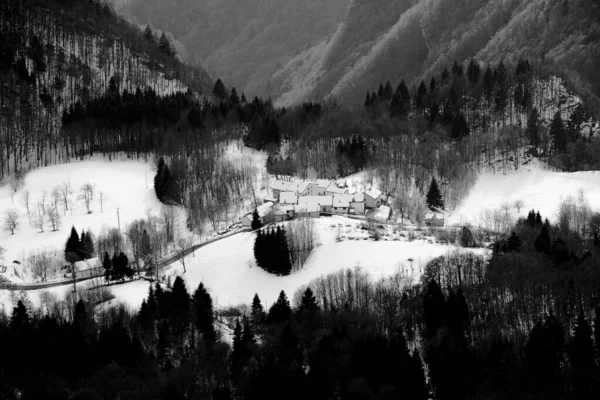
(434, 220)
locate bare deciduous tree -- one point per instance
(65, 194)
(53, 217)
(55, 196)
(42, 202)
(183, 243)
(25, 199)
(168, 217)
(519, 204)
(15, 182)
(301, 240)
(402, 203)
(102, 195)
(86, 193)
(11, 220)
(38, 220)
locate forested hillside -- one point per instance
(243, 42)
(56, 53)
(411, 40)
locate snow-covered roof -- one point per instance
(341, 183)
(358, 197)
(280, 209)
(323, 183)
(298, 186)
(342, 200)
(315, 201)
(373, 193)
(280, 185)
(263, 210)
(288, 197)
(88, 264)
(434, 216)
(335, 190)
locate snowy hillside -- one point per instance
(536, 187)
(123, 187)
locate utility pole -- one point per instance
(118, 218)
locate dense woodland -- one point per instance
(56, 53)
(523, 325)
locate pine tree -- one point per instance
(460, 127)
(203, 313)
(434, 198)
(108, 270)
(434, 306)
(308, 302)
(473, 72)
(420, 101)
(558, 133)
(195, 117)
(72, 247)
(256, 224)
(149, 35)
(233, 97)
(280, 311)
(514, 242)
(19, 320)
(165, 45)
(542, 242)
(257, 313)
(582, 360)
(219, 90)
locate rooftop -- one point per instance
(373, 193)
(280, 185)
(298, 186)
(342, 200)
(288, 198)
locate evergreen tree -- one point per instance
(166, 188)
(388, 91)
(203, 313)
(280, 311)
(195, 117)
(434, 198)
(233, 97)
(87, 245)
(219, 90)
(542, 242)
(165, 45)
(257, 313)
(434, 308)
(420, 100)
(473, 72)
(460, 127)
(108, 270)
(514, 242)
(256, 224)
(582, 354)
(73, 247)
(558, 134)
(149, 35)
(308, 302)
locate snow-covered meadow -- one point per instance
(124, 192)
(536, 187)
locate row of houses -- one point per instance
(301, 198)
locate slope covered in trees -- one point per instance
(411, 39)
(243, 42)
(56, 53)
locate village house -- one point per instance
(321, 188)
(341, 183)
(307, 210)
(341, 203)
(279, 186)
(283, 212)
(323, 203)
(332, 190)
(288, 198)
(300, 187)
(264, 213)
(372, 198)
(358, 203)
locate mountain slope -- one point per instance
(394, 40)
(242, 42)
(55, 53)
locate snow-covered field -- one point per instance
(538, 188)
(123, 187)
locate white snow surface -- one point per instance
(227, 268)
(538, 188)
(122, 181)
